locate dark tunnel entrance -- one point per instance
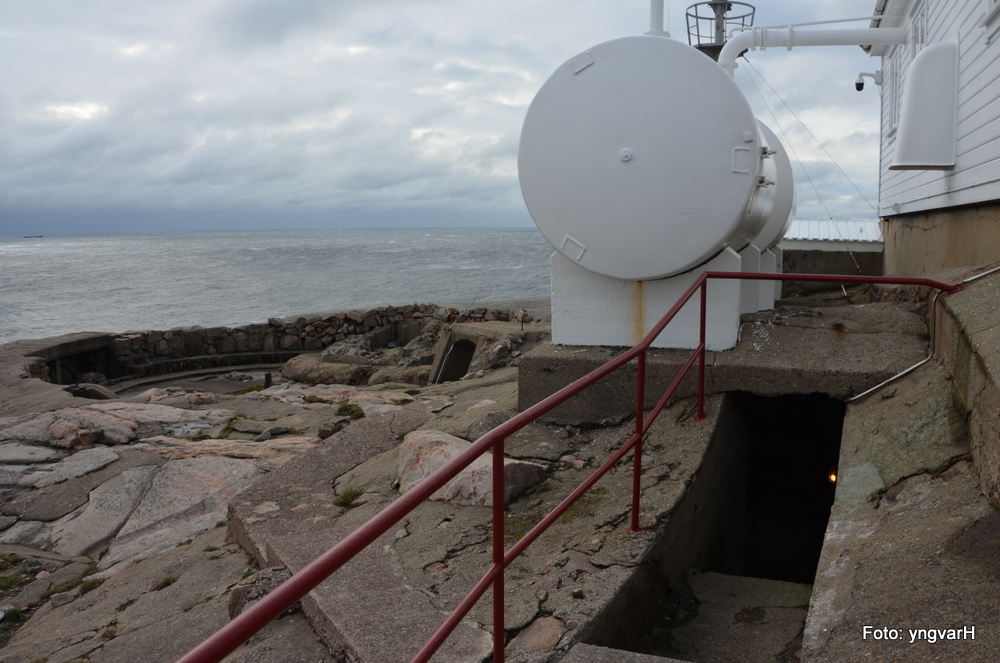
(456, 361)
(793, 450)
(761, 504)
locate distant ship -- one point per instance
(32, 236)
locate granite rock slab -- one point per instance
(111, 423)
(53, 502)
(19, 454)
(424, 452)
(71, 467)
(271, 453)
(108, 508)
(187, 496)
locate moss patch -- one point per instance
(165, 582)
(515, 528)
(228, 429)
(90, 585)
(348, 496)
(346, 409)
(582, 508)
(65, 587)
(11, 622)
(9, 561)
(10, 582)
(191, 606)
(248, 390)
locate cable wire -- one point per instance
(811, 135)
(784, 135)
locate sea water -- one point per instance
(61, 284)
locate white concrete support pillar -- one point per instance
(750, 290)
(768, 264)
(591, 309)
(779, 268)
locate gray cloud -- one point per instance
(313, 106)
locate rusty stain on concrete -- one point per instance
(639, 312)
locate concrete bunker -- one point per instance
(79, 358)
(463, 351)
(456, 361)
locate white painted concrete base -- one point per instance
(750, 290)
(779, 256)
(591, 309)
(770, 263)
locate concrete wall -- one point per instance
(798, 261)
(967, 342)
(707, 529)
(928, 242)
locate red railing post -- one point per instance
(701, 355)
(499, 493)
(640, 405)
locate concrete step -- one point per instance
(576, 581)
(591, 654)
(366, 610)
(749, 620)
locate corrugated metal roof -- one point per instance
(841, 231)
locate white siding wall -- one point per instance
(976, 177)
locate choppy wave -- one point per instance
(117, 283)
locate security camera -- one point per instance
(859, 84)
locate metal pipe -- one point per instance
(720, 21)
(743, 28)
(755, 38)
(499, 499)
(930, 355)
(839, 278)
(979, 276)
(701, 355)
(932, 328)
(457, 615)
(668, 394)
(656, 19)
(640, 402)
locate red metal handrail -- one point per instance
(229, 637)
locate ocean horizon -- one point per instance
(59, 284)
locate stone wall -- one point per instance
(281, 335)
(797, 261)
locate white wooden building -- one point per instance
(939, 197)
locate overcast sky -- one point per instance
(127, 115)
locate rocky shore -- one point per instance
(96, 493)
(134, 526)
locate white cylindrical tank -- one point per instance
(641, 159)
(785, 199)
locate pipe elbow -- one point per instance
(733, 48)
